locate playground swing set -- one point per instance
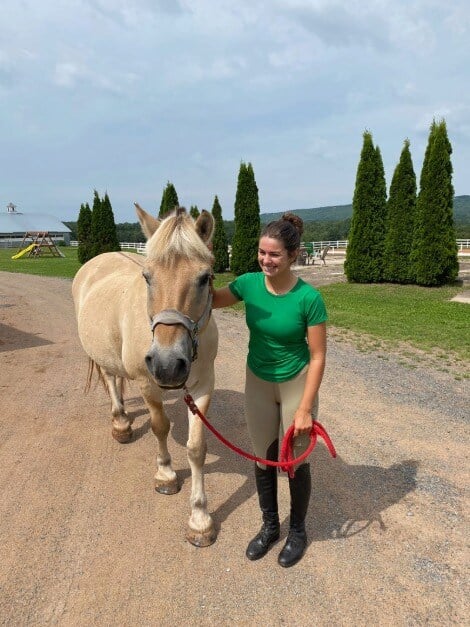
(37, 244)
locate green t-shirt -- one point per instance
(278, 348)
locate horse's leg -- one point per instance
(165, 477)
(121, 431)
(201, 530)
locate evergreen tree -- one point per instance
(400, 221)
(97, 224)
(109, 241)
(103, 227)
(169, 200)
(364, 254)
(219, 242)
(194, 212)
(85, 248)
(434, 255)
(247, 223)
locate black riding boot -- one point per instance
(300, 487)
(266, 485)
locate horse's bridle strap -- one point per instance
(171, 317)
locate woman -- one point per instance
(286, 358)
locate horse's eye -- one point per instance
(204, 279)
(146, 276)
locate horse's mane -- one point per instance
(177, 237)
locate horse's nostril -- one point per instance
(181, 366)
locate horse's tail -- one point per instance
(92, 366)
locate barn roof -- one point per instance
(18, 222)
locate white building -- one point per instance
(14, 224)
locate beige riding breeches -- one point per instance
(269, 412)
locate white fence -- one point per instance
(132, 245)
(333, 244)
(315, 245)
(462, 244)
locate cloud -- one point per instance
(126, 94)
(132, 12)
(72, 75)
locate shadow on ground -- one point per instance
(346, 498)
(12, 339)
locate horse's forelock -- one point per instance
(177, 237)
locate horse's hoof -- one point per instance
(201, 539)
(122, 436)
(169, 487)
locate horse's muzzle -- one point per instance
(169, 367)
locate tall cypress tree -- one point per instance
(364, 254)
(434, 256)
(247, 223)
(194, 212)
(169, 200)
(110, 241)
(400, 221)
(380, 216)
(103, 228)
(220, 245)
(85, 250)
(97, 224)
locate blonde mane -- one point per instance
(177, 237)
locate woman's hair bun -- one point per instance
(296, 221)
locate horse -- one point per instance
(151, 322)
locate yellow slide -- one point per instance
(24, 251)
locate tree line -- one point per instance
(97, 232)
(409, 237)
(96, 229)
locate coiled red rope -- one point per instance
(286, 458)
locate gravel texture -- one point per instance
(86, 541)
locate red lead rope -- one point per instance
(286, 458)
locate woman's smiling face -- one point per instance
(273, 258)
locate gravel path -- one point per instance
(86, 541)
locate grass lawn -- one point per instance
(423, 317)
(65, 267)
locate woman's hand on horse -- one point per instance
(223, 297)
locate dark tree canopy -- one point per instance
(97, 223)
(85, 248)
(247, 223)
(434, 256)
(110, 241)
(103, 227)
(219, 242)
(400, 221)
(364, 255)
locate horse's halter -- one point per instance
(171, 317)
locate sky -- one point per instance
(124, 95)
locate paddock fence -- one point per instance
(337, 247)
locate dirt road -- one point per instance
(85, 540)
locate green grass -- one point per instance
(65, 267)
(422, 317)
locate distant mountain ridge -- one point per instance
(336, 213)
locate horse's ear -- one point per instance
(148, 223)
(205, 226)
